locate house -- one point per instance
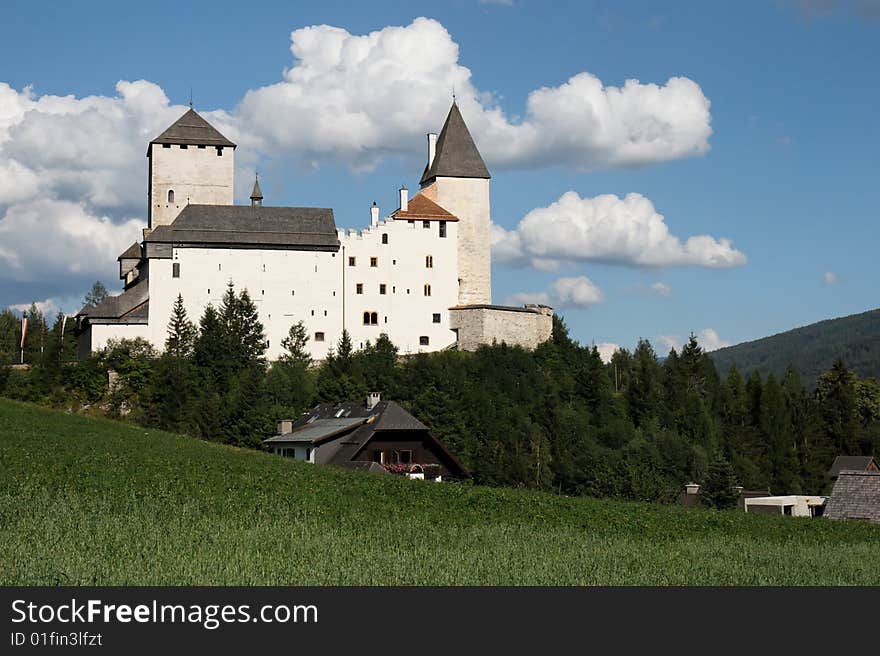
(421, 274)
(375, 436)
(794, 505)
(852, 463)
(856, 495)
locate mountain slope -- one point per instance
(98, 502)
(811, 349)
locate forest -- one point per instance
(557, 419)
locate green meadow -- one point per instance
(95, 502)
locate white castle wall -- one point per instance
(195, 174)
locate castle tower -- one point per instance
(191, 162)
(257, 193)
(456, 178)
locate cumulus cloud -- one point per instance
(47, 307)
(626, 231)
(354, 98)
(830, 278)
(606, 350)
(578, 292)
(707, 338)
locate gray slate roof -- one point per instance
(133, 252)
(319, 429)
(456, 154)
(191, 128)
(131, 306)
(303, 227)
(856, 495)
(855, 463)
(256, 193)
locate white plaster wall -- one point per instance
(405, 313)
(196, 175)
(102, 333)
(468, 199)
(286, 286)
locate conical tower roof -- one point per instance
(192, 129)
(256, 194)
(456, 155)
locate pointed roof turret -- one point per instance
(192, 129)
(456, 153)
(256, 194)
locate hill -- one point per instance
(811, 349)
(89, 501)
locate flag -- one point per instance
(23, 331)
(63, 321)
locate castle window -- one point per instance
(313, 313)
(426, 224)
(384, 237)
(293, 292)
(352, 261)
(360, 288)
(219, 151)
(394, 262)
(325, 313)
(429, 261)
(411, 222)
(264, 268)
(382, 288)
(374, 261)
(183, 146)
(219, 267)
(175, 270)
(436, 317)
(393, 289)
(443, 228)
(424, 341)
(201, 147)
(319, 337)
(371, 318)
(170, 195)
(166, 145)
(427, 290)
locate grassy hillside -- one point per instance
(86, 501)
(811, 349)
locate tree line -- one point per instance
(557, 418)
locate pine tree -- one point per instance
(96, 294)
(836, 393)
(295, 345)
(719, 489)
(181, 332)
(643, 389)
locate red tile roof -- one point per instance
(423, 209)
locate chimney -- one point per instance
(692, 488)
(404, 199)
(432, 148)
(285, 426)
(373, 399)
(374, 215)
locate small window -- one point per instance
(183, 146)
(384, 237)
(264, 268)
(352, 261)
(429, 261)
(426, 224)
(313, 313)
(262, 292)
(308, 454)
(427, 290)
(371, 318)
(411, 222)
(170, 195)
(175, 270)
(219, 267)
(394, 262)
(374, 261)
(436, 317)
(166, 145)
(393, 289)
(378, 456)
(406, 456)
(219, 151)
(201, 147)
(209, 290)
(443, 228)
(423, 340)
(293, 292)
(319, 337)
(267, 343)
(360, 288)
(325, 313)
(382, 289)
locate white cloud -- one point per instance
(669, 342)
(606, 350)
(830, 278)
(658, 289)
(609, 229)
(46, 307)
(53, 238)
(707, 338)
(354, 98)
(578, 292)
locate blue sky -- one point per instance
(788, 173)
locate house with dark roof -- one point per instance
(856, 495)
(852, 463)
(421, 274)
(376, 436)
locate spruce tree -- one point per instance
(96, 294)
(181, 332)
(719, 489)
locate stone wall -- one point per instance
(526, 326)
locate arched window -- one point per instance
(384, 237)
(170, 195)
(374, 318)
(366, 318)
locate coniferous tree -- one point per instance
(181, 332)
(836, 393)
(643, 389)
(719, 489)
(96, 294)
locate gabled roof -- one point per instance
(318, 430)
(133, 252)
(423, 209)
(456, 154)
(855, 463)
(131, 306)
(191, 128)
(856, 495)
(246, 226)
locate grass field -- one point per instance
(95, 502)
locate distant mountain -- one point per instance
(811, 349)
